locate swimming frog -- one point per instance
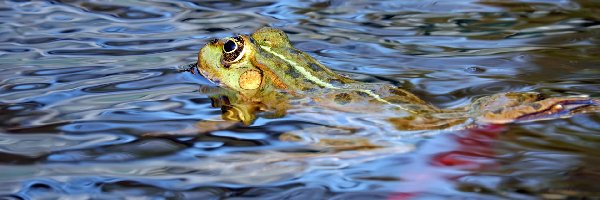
(264, 73)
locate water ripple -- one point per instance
(35, 145)
(91, 104)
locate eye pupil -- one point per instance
(229, 46)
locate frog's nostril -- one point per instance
(229, 46)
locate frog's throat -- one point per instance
(324, 84)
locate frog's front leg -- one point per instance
(524, 107)
(332, 138)
(231, 115)
(247, 109)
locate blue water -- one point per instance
(92, 105)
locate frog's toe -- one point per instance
(563, 109)
(546, 109)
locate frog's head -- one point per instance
(226, 62)
(231, 62)
(266, 59)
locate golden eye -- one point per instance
(233, 50)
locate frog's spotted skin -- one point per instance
(265, 71)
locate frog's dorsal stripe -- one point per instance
(324, 84)
(378, 98)
(300, 69)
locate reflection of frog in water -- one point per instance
(264, 72)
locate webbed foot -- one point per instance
(524, 107)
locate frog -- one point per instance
(263, 72)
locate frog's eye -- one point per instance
(229, 46)
(232, 50)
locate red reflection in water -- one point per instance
(472, 150)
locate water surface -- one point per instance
(82, 84)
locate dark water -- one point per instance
(83, 83)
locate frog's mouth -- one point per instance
(195, 69)
(211, 79)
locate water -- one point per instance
(88, 89)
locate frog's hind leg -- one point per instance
(525, 107)
(331, 138)
(562, 107)
(426, 122)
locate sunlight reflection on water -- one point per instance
(84, 85)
